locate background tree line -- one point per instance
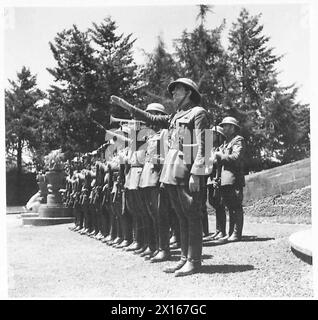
(93, 64)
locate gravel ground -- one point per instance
(53, 262)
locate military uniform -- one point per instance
(232, 179)
(158, 223)
(181, 162)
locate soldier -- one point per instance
(77, 184)
(157, 231)
(182, 176)
(231, 158)
(213, 185)
(134, 166)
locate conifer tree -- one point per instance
(202, 58)
(159, 70)
(22, 115)
(255, 96)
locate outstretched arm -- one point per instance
(161, 121)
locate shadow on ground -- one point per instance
(226, 268)
(302, 256)
(244, 239)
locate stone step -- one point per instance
(301, 243)
(43, 221)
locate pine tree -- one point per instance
(255, 97)
(22, 115)
(91, 66)
(202, 58)
(159, 70)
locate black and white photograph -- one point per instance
(158, 150)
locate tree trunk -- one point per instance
(19, 157)
(19, 171)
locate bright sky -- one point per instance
(28, 31)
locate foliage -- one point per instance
(22, 114)
(266, 110)
(202, 58)
(54, 160)
(91, 66)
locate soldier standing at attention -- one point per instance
(213, 185)
(182, 176)
(157, 147)
(231, 158)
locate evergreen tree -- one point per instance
(255, 97)
(202, 58)
(91, 66)
(159, 70)
(22, 115)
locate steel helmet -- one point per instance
(156, 107)
(219, 130)
(230, 120)
(188, 83)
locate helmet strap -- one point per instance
(180, 104)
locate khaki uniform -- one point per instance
(233, 181)
(183, 159)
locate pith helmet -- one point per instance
(156, 107)
(188, 83)
(230, 120)
(219, 130)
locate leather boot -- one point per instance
(117, 240)
(92, 234)
(212, 236)
(124, 244)
(238, 226)
(162, 255)
(146, 252)
(148, 257)
(190, 267)
(141, 250)
(178, 266)
(107, 238)
(134, 246)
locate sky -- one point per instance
(28, 31)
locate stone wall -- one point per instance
(278, 180)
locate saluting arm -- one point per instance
(159, 120)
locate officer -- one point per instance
(213, 185)
(182, 176)
(231, 158)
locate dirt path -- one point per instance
(53, 262)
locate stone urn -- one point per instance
(55, 180)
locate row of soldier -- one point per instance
(144, 197)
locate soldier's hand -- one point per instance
(194, 183)
(218, 156)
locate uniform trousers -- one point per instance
(232, 197)
(188, 209)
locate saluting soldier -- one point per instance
(182, 176)
(157, 232)
(231, 158)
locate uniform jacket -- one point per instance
(233, 162)
(186, 143)
(157, 148)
